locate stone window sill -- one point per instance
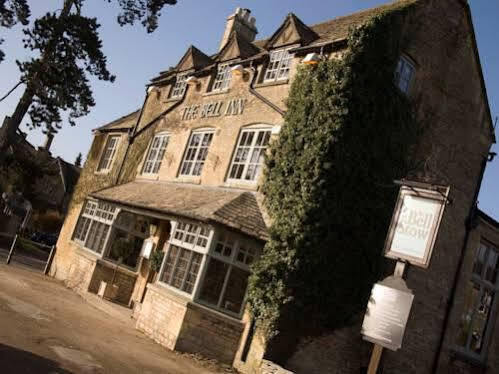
(215, 93)
(85, 252)
(250, 186)
(172, 100)
(273, 83)
(187, 179)
(167, 292)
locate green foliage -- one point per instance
(74, 49)
(156, 260)
(347, 134)
(12, 12)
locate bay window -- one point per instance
(480, 304)
(93, 225)
(212, 268)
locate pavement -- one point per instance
(47, 328)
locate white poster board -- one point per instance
(387, 314)
(415, 224)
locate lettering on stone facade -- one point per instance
(233, 107)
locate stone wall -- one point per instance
(176, 323)
(447, 94)
(125, 280)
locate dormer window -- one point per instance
(279, 65)
(222, 80)
(404, 74)
(179, 87)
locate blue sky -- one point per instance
(135, 57)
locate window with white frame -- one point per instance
(279, 65)
(404, 74)
(155, 154)
(227, 271)
(479, 304)
(248, 157)
(223, 77)
(184, 256)
(196, 153)
(93, 225)
(109, 152)
(179, 86)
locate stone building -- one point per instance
(182, 175)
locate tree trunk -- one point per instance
(10, 126)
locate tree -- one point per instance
(69, 50)
(12, 12)
(78, 160)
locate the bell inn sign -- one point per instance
(415, 224)
(232, 107)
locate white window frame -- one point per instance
(223, 78)
(194, 248)
(232, 262)
(95, 212)
(251, 149)
(196, 153)
(481, 280)
(153, 161)
(180, 85)
(108, 153)
(404, 83)
(279, 66)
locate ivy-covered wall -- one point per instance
(329, 185)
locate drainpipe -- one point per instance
(260, 96)
(469, 225)
(134, 133)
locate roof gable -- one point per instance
(237, 47)
(193, 59)
(292, 31)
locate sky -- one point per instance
(135, 57)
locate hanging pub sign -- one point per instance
(415, 223)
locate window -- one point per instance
(222, 79)
(248, 158)
(135, 229)
(279, 65)
(93, 226)
(226, 279)
(404, 74)
(155, 154)
(474, 330)
(183, 261)
(107, 157)
(179, 87)
(195, 155)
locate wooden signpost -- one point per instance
(410, 240)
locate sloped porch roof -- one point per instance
(236, 209)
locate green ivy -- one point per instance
(329, 184)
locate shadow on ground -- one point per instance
(17, 361)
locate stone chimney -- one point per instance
(48, 141)
(242, 22)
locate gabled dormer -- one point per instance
(292, 31)
(193, 59)
(236, 47)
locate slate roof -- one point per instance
(329, 31)
(123, 123)
(238, 210)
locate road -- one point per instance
(46, 328)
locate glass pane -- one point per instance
(170, 262)
(181, 268)
(213, 281)
(492, 267)
(235, 290)
(192, 274)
